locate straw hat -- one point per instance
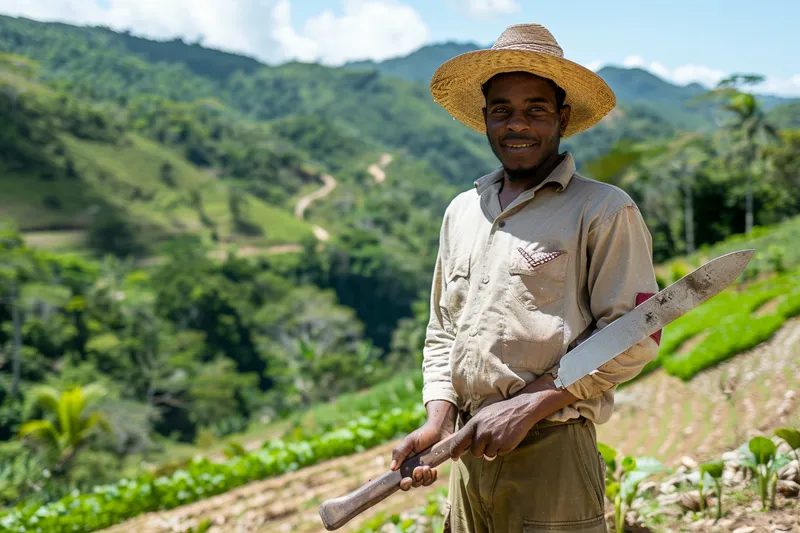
(456, 85)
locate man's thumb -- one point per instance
(401, 452)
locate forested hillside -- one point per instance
(131, 172)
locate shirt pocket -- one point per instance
(537, 276)
(457, 287)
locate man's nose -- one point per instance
(518, 122)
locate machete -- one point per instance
(645, 319)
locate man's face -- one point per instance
(523, 122)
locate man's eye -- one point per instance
(499, 110)
(538, 109)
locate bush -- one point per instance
(111, 233)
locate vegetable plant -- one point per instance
(712, 471)
(762, 459)
(623, 479)
(792, 438)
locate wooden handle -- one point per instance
(337, 512)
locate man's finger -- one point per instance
(479, 444)
(400, 453)
(430, 480)
(492, 449)
(462, 441)
(419, 474)
(405, 483)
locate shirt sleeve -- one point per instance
(437, 383)
(620, 270)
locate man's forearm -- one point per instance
(544, 399)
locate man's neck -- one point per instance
(511, 189)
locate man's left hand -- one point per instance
(497, 429)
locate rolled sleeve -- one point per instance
(437, 382)
(620, 266)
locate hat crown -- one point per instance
(529, 37)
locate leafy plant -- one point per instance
(76, 421)
(623, 478)
(712, 470)
(762, 459)
(792, 438)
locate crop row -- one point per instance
(730, 323)
(110, 504)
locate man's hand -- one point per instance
(440, 424)
(497, 429)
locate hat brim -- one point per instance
(456, 85)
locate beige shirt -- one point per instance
(513, 290)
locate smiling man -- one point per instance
(532, 261)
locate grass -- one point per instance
(137, 167)
(128, 176)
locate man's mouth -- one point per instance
(516, 147)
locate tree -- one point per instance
(750, 132)
(77, 421)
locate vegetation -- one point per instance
(111, 504)
(624, 474)
(145, 163)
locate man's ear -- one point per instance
(483, 110)
(564, 114)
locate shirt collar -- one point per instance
(561, 175)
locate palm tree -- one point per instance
(77, 421)
(750, 131)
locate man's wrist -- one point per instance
(441, 414)
(544, 399)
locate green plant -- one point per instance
(76, 421)
(760, 456)
(234, 449)
(712, 470)
(623, 478)
(792, 438)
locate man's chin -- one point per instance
(520, 173)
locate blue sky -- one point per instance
(683, 41)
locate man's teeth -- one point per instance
(519, 145)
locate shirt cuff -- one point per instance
(439, 390)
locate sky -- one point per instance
(682, 41)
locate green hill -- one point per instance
(419, 65)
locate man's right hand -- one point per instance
(440, 424)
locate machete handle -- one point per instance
(336, 512)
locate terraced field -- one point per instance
(659, 415)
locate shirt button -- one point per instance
(485, 279)
(502, 224)
(473, 332)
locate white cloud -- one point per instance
(488, 8)
(368, 29)
(236, 25)
(709, 77)
(595, 65)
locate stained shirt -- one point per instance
(514, 289)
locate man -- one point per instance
(531, 261)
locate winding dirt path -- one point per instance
(377, 170)
(329, 183)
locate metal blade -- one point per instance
(651, 316)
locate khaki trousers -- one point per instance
(554, 481)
